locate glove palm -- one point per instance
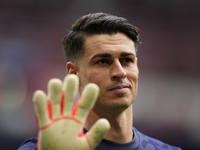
(60, 128)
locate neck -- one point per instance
(121, 124)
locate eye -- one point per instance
(127, 60)
(102, 61)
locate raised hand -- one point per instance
(60, 127)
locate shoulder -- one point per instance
(149, 143)
(29, 144)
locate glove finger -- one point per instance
(40, 105)
(54, 94)
(70, 89)
(89, 96)
(97, 132)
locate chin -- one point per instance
(120, 103)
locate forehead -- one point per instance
(105, 43)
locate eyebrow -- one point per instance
(107, 55)
(124, 54)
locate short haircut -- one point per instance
(91, 24)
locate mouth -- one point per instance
(120, 89)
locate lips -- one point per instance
(119, 90)
(119, 87)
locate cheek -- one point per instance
(133, 74)
(133, 78)
(97, 77)
(93, 76)
(83, 80)
(100, 78)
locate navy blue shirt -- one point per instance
(139, 142)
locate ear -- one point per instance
(136, 61)
(71, 68)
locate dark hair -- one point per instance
(96, 23)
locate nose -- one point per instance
(117, 71)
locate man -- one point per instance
(100, 52)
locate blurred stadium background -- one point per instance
(168, 102)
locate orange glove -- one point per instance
(60, 128)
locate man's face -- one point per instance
(110, 62)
